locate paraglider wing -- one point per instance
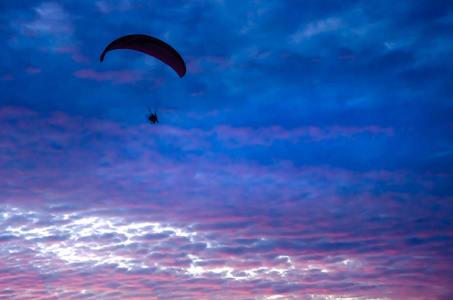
(150, 46)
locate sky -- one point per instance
(306, 154)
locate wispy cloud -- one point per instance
(50, 19)
(278, 229)
(7, 77)
(31, 70)
(314, 28)
(305, 155)
(117, 77)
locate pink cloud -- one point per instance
(267, 135)
(346, 57)
(274, 227)
(8, 77)
(66, 49)
(157, 83)
(7, 112)
(222, 62)
(110, 6)
(31, 70)
(202, 115)
(79, 58)
(192, 65)
(117, 77)
(207, 64)
(197, 94)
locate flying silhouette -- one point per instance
(152, 118)
(153, 47)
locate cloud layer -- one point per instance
(307, 153)
(208, 224)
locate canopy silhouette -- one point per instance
(150, 46)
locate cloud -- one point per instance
(314, 28)
(7, 77)
(208, 64)
(121, 5)
(31, 70)
(50, 30)
(275, 229)
(117, 77)
(299, 158)
(50, 19)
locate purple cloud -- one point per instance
(117, 77)
(272, 230)
(305, 155)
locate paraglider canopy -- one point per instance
(150, 46)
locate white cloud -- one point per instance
(50, 30)
(50, 19)
(96, 241)
(314, 28)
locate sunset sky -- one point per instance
(306, 154)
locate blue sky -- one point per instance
(306, 154)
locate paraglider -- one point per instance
(153, 47)
(152, 118)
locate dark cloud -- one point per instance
(50, 239)
(155, 236)
(8, 238)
